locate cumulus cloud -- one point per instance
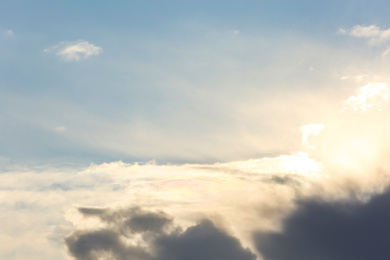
(370, 96)
(367, 31)
(75, 51)
(134, 234)
(343, 230)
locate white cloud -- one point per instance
(365, 31)
(236, 31)
(342, 31)
(75, 51)
(370, 96)
(310, 130)
(375, 34)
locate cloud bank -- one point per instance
(286, 207)
(147, 237)
(288, 216)
(161, 211)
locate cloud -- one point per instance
(367, 31)
(201, 241)
(370, 96)
(113, 210)
(356, 78)
(207, 217)
(75, 51)
(386, 52)
(310, 130)
(60, 129)
(95, 244)
(371, 32)
(10, 33)
(343, 230)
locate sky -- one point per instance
(193, 130)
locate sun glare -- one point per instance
(355, 153)
(302, 164)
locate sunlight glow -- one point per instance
(310, 130)
(370, 96)
(301, 164)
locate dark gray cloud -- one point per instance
(133, 219)
(92, 211)
(201, 242)
(161, 240)
(323, 230)
(90, 245)
(144, 222)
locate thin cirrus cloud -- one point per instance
(75, 51)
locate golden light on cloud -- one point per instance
(310, 130)
(354, 153)
(370, 96)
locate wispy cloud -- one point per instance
(75, 51)
(356, 78)
(60, 129)
(371, 32)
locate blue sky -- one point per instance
(173, 68)
(170, 123)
